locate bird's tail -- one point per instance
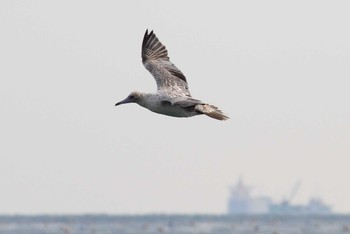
(211, 111)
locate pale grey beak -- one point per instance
(126, 100)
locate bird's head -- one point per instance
(134, 97)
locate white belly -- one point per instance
(169, 110)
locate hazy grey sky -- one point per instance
(279, 69)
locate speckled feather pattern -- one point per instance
(166, 82)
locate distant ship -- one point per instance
(241, 202)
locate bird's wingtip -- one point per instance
(148, 34)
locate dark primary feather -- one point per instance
(154, 50)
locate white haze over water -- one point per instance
(279, 69)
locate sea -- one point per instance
(179, 224)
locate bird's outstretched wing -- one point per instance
(169, 78)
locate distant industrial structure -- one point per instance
(241, 202)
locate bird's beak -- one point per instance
(126, 100)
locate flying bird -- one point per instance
(173, 97)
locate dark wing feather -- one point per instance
(152, 48)
(155, 59)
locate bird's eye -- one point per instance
(132, 96)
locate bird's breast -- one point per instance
(166, 108)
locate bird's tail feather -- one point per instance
(211, 111)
